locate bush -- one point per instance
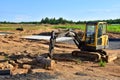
(19, 29)
(102, 63)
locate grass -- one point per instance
(102, 63)
(113, 28)
(5, 27)
(110, 28)
(72, 26)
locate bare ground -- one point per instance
(21, 54)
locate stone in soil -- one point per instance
(26, 66)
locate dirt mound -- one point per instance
(114, 35)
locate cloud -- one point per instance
(20, 18)
(100, 10)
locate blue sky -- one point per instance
(35, 10)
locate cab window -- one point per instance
(100, 28)
(90, 34)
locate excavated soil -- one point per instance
(20, 57)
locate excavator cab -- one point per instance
(95, 36)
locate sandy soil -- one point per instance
(22, 53)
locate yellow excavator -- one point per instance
(92, 45)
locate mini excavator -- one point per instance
(92, 45)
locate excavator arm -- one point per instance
(77, 40)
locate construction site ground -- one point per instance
(20, 57)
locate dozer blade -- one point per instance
(111, 55)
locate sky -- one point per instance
(35, 10)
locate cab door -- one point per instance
(99, 36)
(90, 34)
(102, 38)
